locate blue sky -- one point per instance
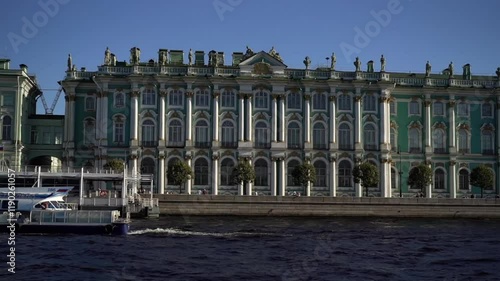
(461, 31)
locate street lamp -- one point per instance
(400, 173)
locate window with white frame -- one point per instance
(202, 98)
(414, 139)
(261, 100)
(344, 102)
(261, 174)
(320, 168)
(293, 138)
(89, 131)
(369, 103)
(438, 136)
(319, 136)
(392, 107)
(6, 128)
(119, 99)
(487, 110)
(345, 176)
(290, 167)
(463, 179)
(119, 131)
(393, 178)
(414, 108)
(438, 108)
(201, 171)
(201, 134)
(319, 101)
(344, 136)
(487, 141)
(293, 100)
(262, 138)
(228, 99)
(463, 141)
(393, 139)
(148, 97)
(463, 109)
(439, 179)
(226, 172)
(175, 98)
(89, 103)
(370, 137)
(228, 134)
(148, 133)
(175, 132)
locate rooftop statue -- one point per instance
(190, 57)
(498, 72)
(107, 56)
(249, 52)
(307, 62)
(382, 64)
(427, 69)
(357, 64)
(135, 54)
(162, 58)
(450, 69)
(70, 62)
(275, 54)
(334, 61)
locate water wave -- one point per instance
(174, 231)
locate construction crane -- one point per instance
(50, 111)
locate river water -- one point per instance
(267, 248)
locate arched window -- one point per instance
(439, 179)
(262, 138)
(463, 179)
(487, 142)
(89, 131)
(226, 170)
(345, 176)
(201, 171)
(344, 102)
(370, 137)
(148, 133)
(463, 141)
(227, 99)
(293, 100)
(7, 128)
(261, 173)
(175, 137)
(119, 99)
(319, 101)
(320, 168)
(345, 137)
(228, 135)
(319, 136)
(290, 167)
(202, 98)
(201, 134)
(148, 166)
(261, 100)
(414, 138)
(438, 141)
(293, 140)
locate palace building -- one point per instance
(214, 112)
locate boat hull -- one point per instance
(107, 229)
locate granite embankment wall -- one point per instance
(208, 205)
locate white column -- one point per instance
(241, 117)
(273, 176)
(307, 127)
(249, 119)
(383, 178)
(383, 123)
(216, 117)
(189, 119)
(274, 129)
(358, 189)
(333, 177)
(240, 188)
(134, 118)
(357, 118)
(333, 119)
(250, 184)
(453, 180)
(189, 182)
(428, 120)
(161, 133)
(161, 176)
(388, 122)
(215, 174)
(388, 180)
(308, 189)
(451, 114)
(282, 119)
(283, 177)
(134, 161)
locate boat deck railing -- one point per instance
(74, 217)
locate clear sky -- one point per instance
(407, 32)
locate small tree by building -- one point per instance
(420, 177)
(482, 177)
(243, 173)
(304, 174)
(115, 165)
(179, 173)
(366, 174)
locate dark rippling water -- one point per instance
(252, 248)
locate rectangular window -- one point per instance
(202, 98)
(487, 110)
(438, 109)
(119, 132)
(463, 109)
(414, 108)
(175, 98)
(228, 99)
(90, 103)
(344, 102)
(148, 97)
(319, 102)
(369, 103)
(392, 107)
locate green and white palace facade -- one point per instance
(212, 113)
